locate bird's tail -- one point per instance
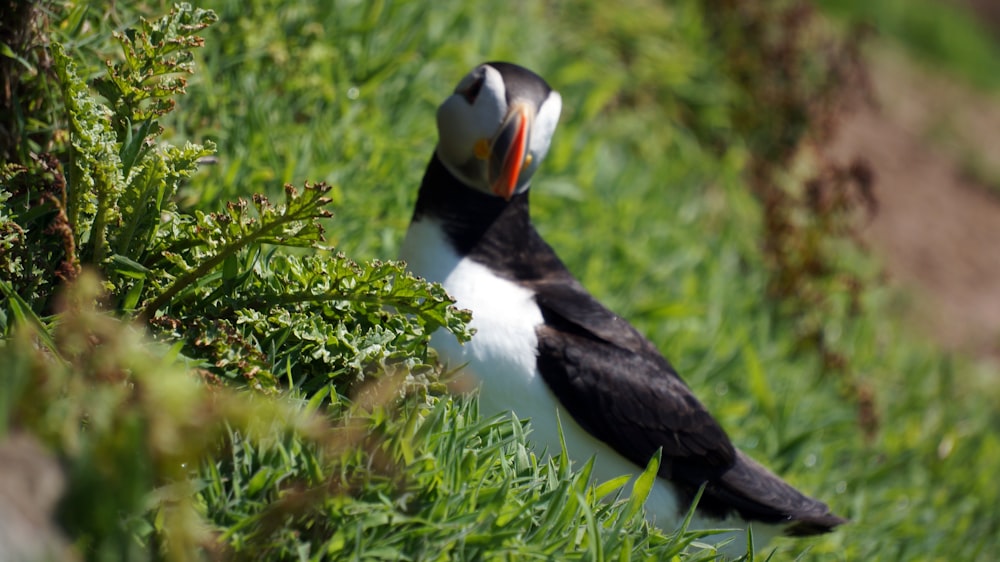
(758, 494)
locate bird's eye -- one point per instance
(472, 92)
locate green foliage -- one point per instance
(122, 180)
(313, 320)
(142, 87)
(433, 482)
(643, 194)
(36, 246)
(220, 287)
(27, 92)
(216, 275)
(125, 417)
(119, 180)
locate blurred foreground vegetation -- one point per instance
(208, 347)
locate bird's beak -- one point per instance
(509, 150)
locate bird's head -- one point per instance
(495, 129)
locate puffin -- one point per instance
(545, 349)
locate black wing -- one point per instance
(618, 387)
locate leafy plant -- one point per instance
(125, 415)
(217, 275)
(220, 288)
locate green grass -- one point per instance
(942, 34)
(655, 224)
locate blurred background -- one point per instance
(930, 133)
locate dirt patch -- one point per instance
(934, 147)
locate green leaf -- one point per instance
(643, 485)
(25, 316)
(6, 51)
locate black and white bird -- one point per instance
(544, 345)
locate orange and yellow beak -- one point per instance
(508, 153)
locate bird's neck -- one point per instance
(466, 214)
(485, 228)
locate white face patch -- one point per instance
(461, 125)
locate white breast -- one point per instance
(501, 360)
(501, 356)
